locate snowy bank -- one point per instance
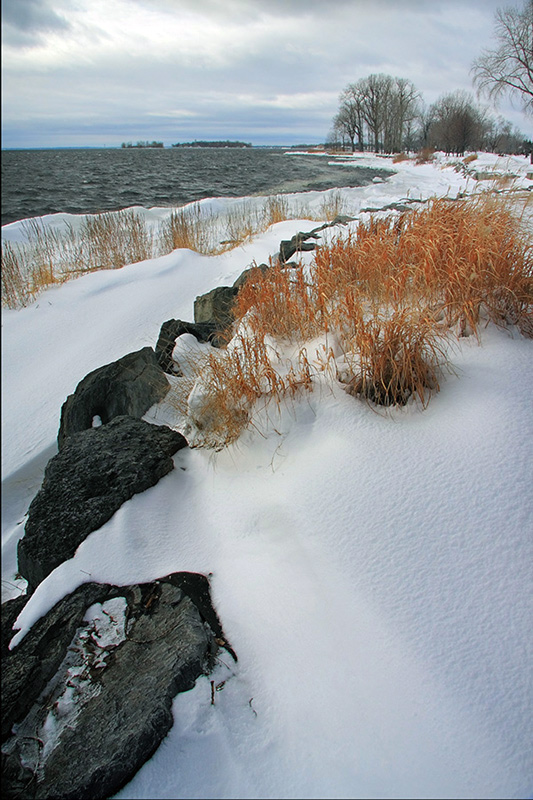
(371, 570)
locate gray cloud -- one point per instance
(181, 69)
(23, 21)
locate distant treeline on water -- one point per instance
(225, 143)
(142, 144)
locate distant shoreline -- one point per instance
(167, 147)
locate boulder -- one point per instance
(127, 386)
(90, 687)
(215, 307)
(298, 244)
(86, 482)
(244, 276)
(171, 329)
(342, 219)
(27, 669)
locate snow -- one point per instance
(371, 570)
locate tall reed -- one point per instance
(390, 294)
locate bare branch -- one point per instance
(508, 68)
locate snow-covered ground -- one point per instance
(373, 571)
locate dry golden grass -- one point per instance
(231, 381)
(332, 206)
(103, 241)
(189, 228)
(113, 239)
(425, 155)
(464, 259)
(397, 356)
(396, 159)
(276, 210)
(391, 293)
(279, 303)
(15, 287)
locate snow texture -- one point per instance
(371, 570)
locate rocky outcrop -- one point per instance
(171, 329)
(86, 482)
(215, 307)
(27, 669)
(127, 386)
(297, 244)
(90, 686)
(213, 317)
(248, 272)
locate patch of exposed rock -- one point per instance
(89, 689)
(127, 386)
(172, 329)
(93, 474)
(215, 307)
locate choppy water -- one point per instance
(37, 182)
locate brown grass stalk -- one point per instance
(397, 356)
(279, 302)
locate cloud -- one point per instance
(24, 21)
(200, 65)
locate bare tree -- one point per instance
(349, 121)
(457, 123)
(403, 108)
(376, 93)
(424, 123)
(380, 107)
(501, 136)
(509, 66)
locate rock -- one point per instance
(86, 482)
(121, 703)
(391, 207)
(342, 219)
(171, 329)
(127, 386)
(244, 276)
(215, 307)
(27, 669)
(298, 243)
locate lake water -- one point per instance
(37, 182)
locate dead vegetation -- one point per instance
(112, 240)
(390, 294)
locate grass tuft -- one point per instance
(425, 155)
(397, 357)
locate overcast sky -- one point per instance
(99, 72)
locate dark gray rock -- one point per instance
(124, 702)
(27, 669)
(244, 276)
(10, 611)
(342, 219)
(86, 482)
(127, 386)
(298, 244)
(215, 307)
(390, 207)
(171, 329)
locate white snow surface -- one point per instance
(373, 571)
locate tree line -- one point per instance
(226, 143)
(387, 114)
(142, 144)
